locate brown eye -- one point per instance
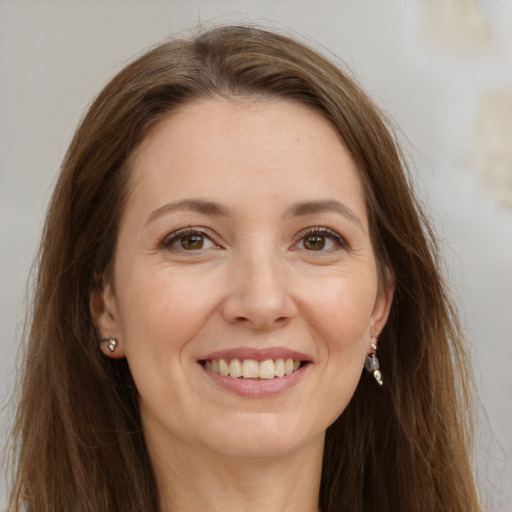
(314, 242)
(187, 240)
(192, 242)
(319, 239)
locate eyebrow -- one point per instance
(296, 210)
(189, 205)
(324, 206)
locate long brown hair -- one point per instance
(78, 436)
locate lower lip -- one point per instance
(255, 388)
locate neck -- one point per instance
(198, 480)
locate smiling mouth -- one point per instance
(252, 369)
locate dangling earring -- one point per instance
(371, 364)
(112, 343)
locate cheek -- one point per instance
(161, 311)
(341, 315)
(342, 310)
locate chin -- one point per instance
(258, 448)
(262, 437)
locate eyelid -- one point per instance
(174, 236)
(320, 230)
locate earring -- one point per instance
(371, 364)
(112, 343)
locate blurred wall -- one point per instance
(442, 69)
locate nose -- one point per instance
(259, 292)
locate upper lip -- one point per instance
(258, 354)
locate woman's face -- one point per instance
(244, 248)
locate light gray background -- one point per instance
(442, 69)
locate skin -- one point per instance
(258, 281)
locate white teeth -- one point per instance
(223, 368)
(279, 367)
(235, 368)
(267, 369)
(252, 369)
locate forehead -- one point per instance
(269, 147)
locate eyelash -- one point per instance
(321, 231)
(174, 237)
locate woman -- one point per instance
(231, 240)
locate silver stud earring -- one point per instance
(112, 343)
(371, 364)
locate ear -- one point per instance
(382, 306)
(104, 313)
